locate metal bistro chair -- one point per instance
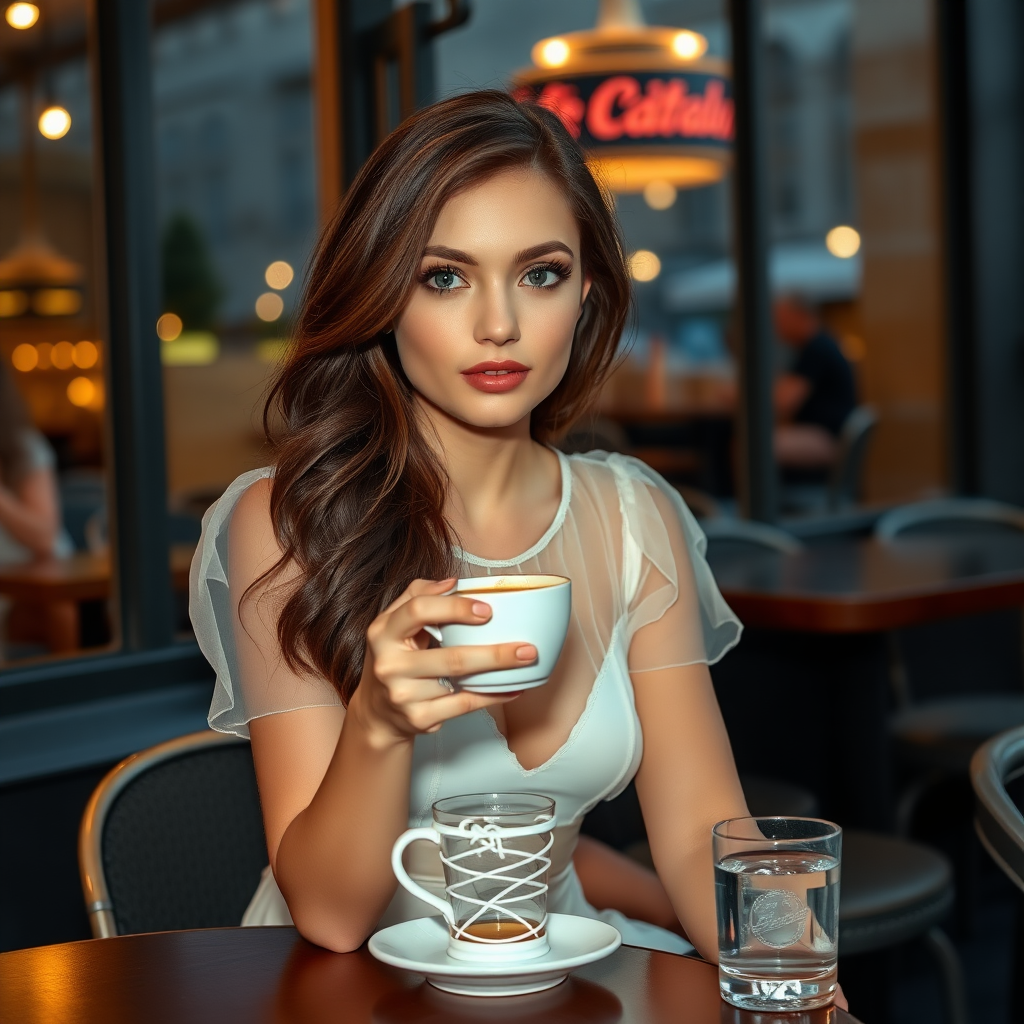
(996, 766)
(173, 838)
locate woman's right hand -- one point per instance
(399, 694)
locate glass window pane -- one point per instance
(54, 543)
(855, 189)
(237, 217)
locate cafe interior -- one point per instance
(819, 176)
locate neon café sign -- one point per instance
(645, 102)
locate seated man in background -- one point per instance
(815, 396)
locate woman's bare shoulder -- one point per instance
(253, 546)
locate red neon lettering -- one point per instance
(601, 120)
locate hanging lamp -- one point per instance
(35, 279)
(645, 102)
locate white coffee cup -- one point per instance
(525, 609)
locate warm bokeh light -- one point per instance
(659, 195)
(56, 301)
(644, 265)
(279, 274)
(689, 45)
(269, 306)
(63, 355)
(43, 350)
(169, 327)
(86, 355)
(22, 15)
(843, 241)
(25, 357)
(192, 348)
(54, 122)
(553, 53)
(81, 392)
(13, 302)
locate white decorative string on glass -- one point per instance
(495, 851)
(518, 888)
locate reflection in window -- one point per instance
(52, 348)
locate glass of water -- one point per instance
(777, 891)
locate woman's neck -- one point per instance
(504, 487)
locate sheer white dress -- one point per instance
(643, 599)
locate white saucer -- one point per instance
(422, 946)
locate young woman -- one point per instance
(463, 309)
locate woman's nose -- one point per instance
(496, 320)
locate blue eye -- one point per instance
(442, 279)
(546, 276)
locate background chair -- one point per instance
(173, 838)
(844, 484)
(997, 771)
(937, 735)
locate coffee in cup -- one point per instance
(495, 851)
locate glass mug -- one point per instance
(777, 893)
(495, 852)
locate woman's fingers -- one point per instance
(427, 609)
(430, 715)
(419, 587)
(409, 668)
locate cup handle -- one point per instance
(434, 632)
(403, 876)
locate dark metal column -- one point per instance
(756, 478)
(123, 70)
(958, 243)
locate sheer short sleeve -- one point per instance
(675, 612)
(237, 699)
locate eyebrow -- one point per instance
(523, 256)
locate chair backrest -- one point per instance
(844, 486)
(998, 819)
(173, 838)
(746, 531)
(944, 513)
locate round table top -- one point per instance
(272, 975)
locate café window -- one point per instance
(236, 218)
(54, 464)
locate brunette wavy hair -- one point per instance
(358, 498)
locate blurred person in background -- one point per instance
(30, 522)
(815, 396)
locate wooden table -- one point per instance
(271, 976)
(806, 696)
(80, 577)
(848, 585)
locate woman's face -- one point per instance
(486, 334)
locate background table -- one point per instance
(271, 976)
(806, 695)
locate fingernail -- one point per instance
(526, 653)
(481, 609)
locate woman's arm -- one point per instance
(30, 512)
(334, 784)
(686, 783)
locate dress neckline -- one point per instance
(549, 533)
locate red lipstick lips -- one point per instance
(496, 377)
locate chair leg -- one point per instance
(948, 961)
